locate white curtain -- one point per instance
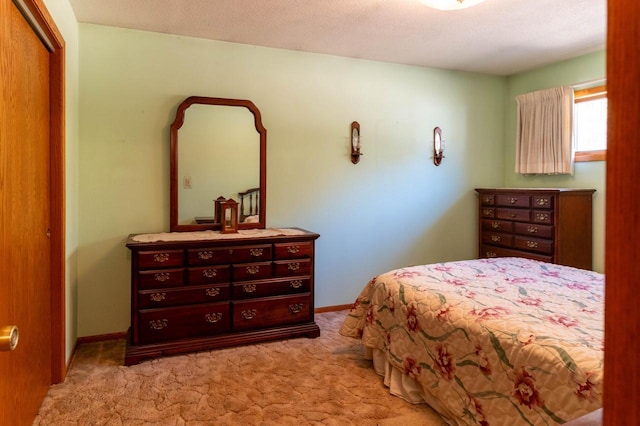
(545, 132)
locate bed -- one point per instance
(249, 205)
(500, 341)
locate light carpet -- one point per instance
(323, 381)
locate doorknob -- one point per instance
(8, 337)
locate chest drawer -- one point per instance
(231, 254)
(209, 274)
(183, 295)
(161, 278)
(186, 321)
(268, 312)
(533, 244)
(286, 268)
(160, 259)
(542, 216)
(534, 230)
(253, 289)
(519, 215)
(513, 200)
(497, 225)
(497, 238)
(492, 251)
(293, 250)
(252, 271)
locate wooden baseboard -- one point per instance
(333, 308)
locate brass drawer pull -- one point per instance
(162, 276)
(542, 216)
(212, 292)
(532, 244)
(158, 324)
(542, 202)
(496, 238)
(249, 314)
(158, 297)
(495, 225)
(256, 252)
(488, 200)
(293, 249)
(205, 255)
(249, 288)
(491, 254)
(532, 229)
(293, 266)
(161, 257)
(213, 318)
(252, 270)
(487, 212)
(296, 283)
(513, 215)
(296, 308)
(209, 273)
(513, 200)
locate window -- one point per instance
(590, 125)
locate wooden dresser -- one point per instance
(551, 225)
(192, 295)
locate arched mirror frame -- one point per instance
(174, 226)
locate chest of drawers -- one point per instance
(551, 225)
(192, 295)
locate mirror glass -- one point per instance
(217, 150)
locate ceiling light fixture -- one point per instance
(451, 4)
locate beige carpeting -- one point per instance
(323, 381)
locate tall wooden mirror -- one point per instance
(218, 151)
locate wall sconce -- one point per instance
(355, 142)
(438, 146)
(229, 216)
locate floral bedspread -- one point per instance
(503, 341)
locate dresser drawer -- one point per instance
(533, 244)
(497, 225)
(231, 254)
(534, 230)
(488, 199)
(253, 289)
(513, 200)
(161, 278)
(497, 238)
(186, 321)
(183, 296)
(488, 212)
(293, 250)
(542, 216)
(252, 271)
(209, 274)
(543, 201)
(160, 259)
(519, 215)
(491, 252)
(286, 268)
(268, 312)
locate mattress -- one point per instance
(490, 341)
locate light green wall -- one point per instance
(393, 209)
(66, 22)
(587, 175)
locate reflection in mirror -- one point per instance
(218, 156)
(218, 151)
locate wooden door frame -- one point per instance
(44, 25)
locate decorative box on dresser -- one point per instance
(551, 225)
(197, 294)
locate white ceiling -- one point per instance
(499, 37)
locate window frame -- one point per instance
(584, 95)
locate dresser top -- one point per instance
(217, 238)
(532, 190)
